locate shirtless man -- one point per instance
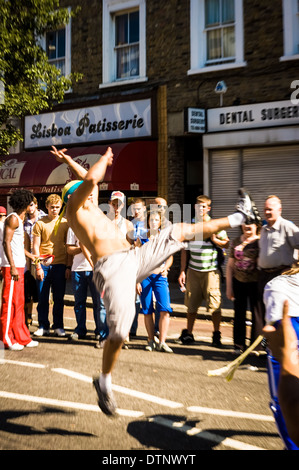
(118, 266)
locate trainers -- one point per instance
(59, 332)
(75, 337)
(105, 400)
(32, 344)
(41, 332)
(247, 206)
(216, 339)
(163, 347)
(151, 346)
(16, 347)
(186, 337)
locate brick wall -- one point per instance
(264, 78)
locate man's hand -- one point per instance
(138, 288)
(60, 155)
(109, 155)
(14, 273)
(182, 280)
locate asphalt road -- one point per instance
(166, 402)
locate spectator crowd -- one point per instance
(37, 258)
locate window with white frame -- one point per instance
(127, 44)
(55, 48)
(290, 29)
(124, 58)
(57, 45)
(217, 35)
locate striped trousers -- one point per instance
(12, 317)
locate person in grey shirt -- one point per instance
(279, 239)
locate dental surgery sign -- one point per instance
(128, 120)
(272, 114)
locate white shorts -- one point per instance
(118, 274)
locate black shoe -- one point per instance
(247, 206)
(186, 338)
(216, 340)
(105, 400)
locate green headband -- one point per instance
(69, 189)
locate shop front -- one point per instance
(86, 133)
(253, 146)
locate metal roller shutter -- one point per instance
(273, 170)
(225, 171)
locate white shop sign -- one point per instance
(261, 115)
(129, 120)
(196, 121)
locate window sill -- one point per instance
(216, 68)
(129, 81)
(285, 58)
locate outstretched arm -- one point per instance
(94, 175)
(76, 168)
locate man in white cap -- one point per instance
(117, 203)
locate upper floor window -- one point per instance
(220, 31)
(55, 47)
(217, 36)
(290, 29)
(127, 45)
(124, 33)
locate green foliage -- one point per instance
(31, 84)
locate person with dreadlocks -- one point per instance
(119, 266)
(14, 334)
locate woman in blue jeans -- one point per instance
(156, 283)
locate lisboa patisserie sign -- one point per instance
(128, 120)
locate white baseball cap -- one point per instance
(117, 195)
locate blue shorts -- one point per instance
(158, 285)
(273, 377)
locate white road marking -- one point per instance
(65, 404)
(190, 431)
(230, 414)
(25, 364)
(124, 390)
(199, 433)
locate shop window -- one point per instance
(217, 36)
(290, 29)
(124, 35)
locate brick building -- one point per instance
(150, 70)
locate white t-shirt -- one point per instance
(80, 263)
(17, 246)
(278, 290)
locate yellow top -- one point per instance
(51, 243)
